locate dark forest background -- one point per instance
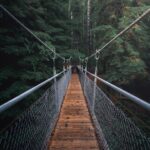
(74, 28)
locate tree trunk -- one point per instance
(89, 26)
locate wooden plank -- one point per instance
(74, 129)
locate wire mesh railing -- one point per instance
(135, 112)
(32, 129)
(115, 130)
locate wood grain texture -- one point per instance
(74, 129)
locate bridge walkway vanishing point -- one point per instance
(74, 129)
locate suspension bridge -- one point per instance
(73, 113)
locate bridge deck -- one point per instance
(74, 129)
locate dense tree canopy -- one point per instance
(77, 28)
(125, 61)
(24, 61)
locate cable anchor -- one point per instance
(97, 55)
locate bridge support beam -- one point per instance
(95, 79)
(86, 61)
(55, 81)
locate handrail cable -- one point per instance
(122, 32)
(132, 97)
(27, 29)
(127, 109)
(20, 97)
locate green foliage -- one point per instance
(126, 59)
(24, 61)
(62, 24)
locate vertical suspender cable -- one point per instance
(55, 81)
(97, 56)
(86, 62)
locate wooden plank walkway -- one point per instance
(74, 129)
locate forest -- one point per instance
(74, 28)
